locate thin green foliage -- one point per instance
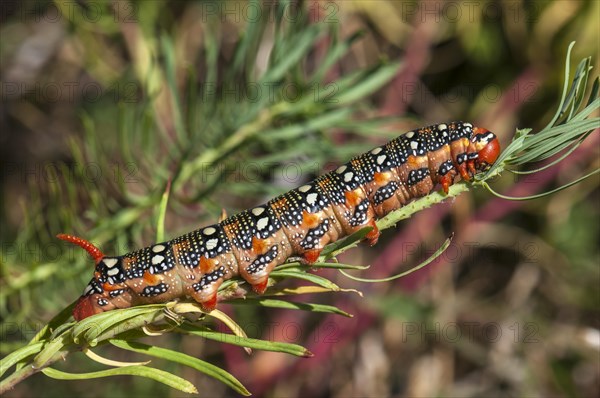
(431, 258)
(162, 212)
(205, 332)
(161, 376)
(568, 128)
(195, 363)
(290, 305)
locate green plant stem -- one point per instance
(29, 370)
(61, 351)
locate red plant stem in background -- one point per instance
(417, 54)
(500, 116)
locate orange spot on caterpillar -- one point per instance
(260, 246)
(352, 198)
(111, 288)
(150, 279)
(206, 265)
(92, 250)
(381, 178)
(309, 220)
(412, 161)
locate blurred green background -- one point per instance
(236, 102)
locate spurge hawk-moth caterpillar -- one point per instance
(298, 223)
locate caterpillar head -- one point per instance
(487, 147)
(105, 291)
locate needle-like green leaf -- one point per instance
(161, 376)
(184, 359)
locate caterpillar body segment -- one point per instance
(298, 223)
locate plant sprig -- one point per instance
(569, 127)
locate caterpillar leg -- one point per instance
(205, 294)
(471, 167)
(210, 304)
(204, 291)
(257, 272)
(373, 236)
(446, 181)
(261, 286)
(310, 256)
(463, 171)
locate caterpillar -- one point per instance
(298, 223)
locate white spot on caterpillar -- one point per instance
(158, 248)
(209, 231)
(442, 126)
(467, 125)
(348, 176)
(262, 223)
(311, 198)
(113, 271)
(157, 259)
(110, 262)
(376, 150)
(410, 134)
(381, 159)
(211, 244)
(341, 169)
(414, 145)
(304, 188)
(88, 289)
(257, 211)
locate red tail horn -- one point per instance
(84, 244)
